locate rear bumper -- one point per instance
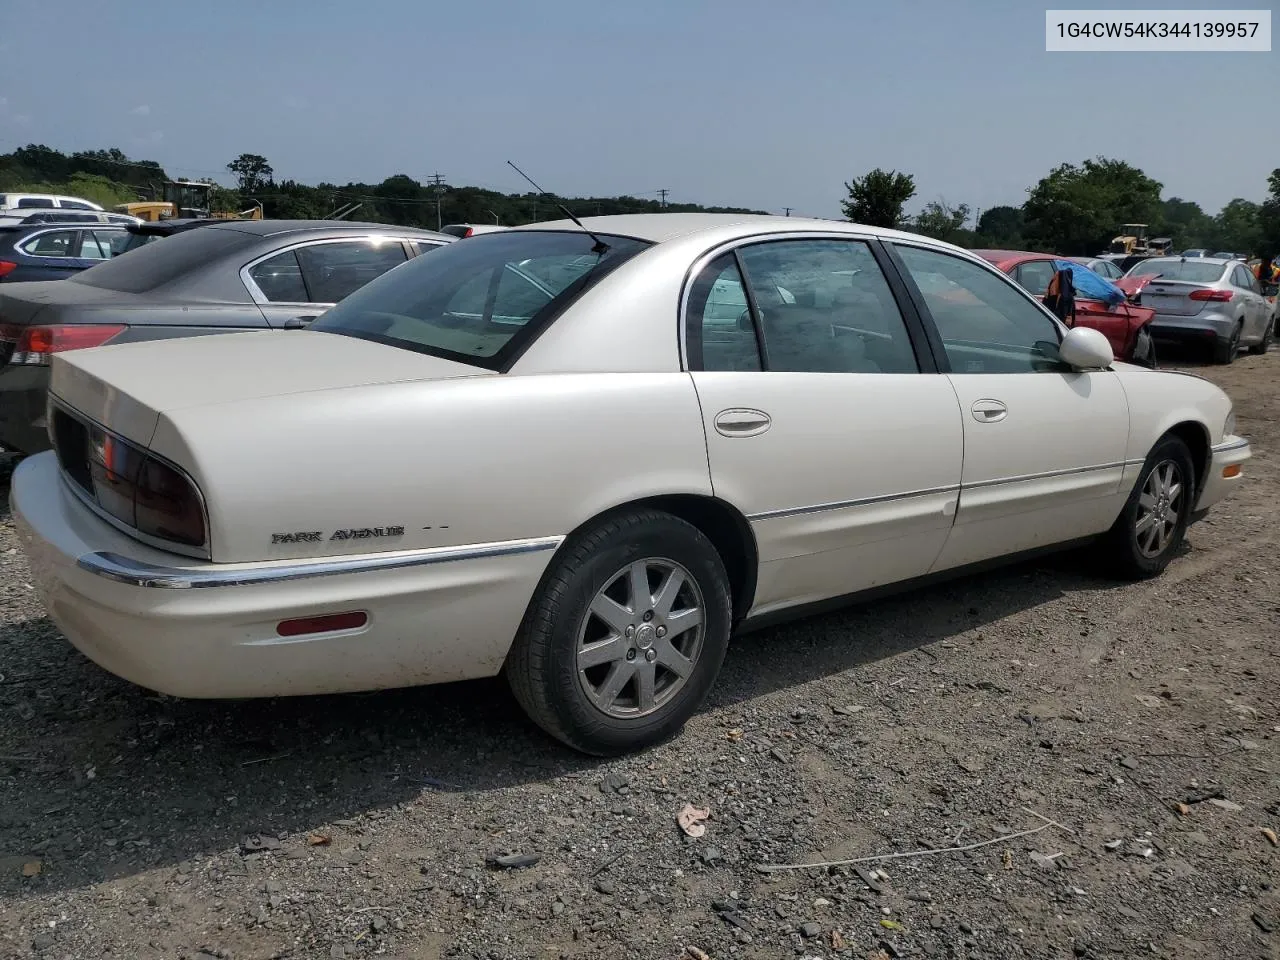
(23, 393)
(1225, 458)
(196, 629)
(1204, 326)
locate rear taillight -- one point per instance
(130, 484)
(35, 345)
(1216, 295)
(7, 267)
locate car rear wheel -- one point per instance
(1263, 345)
(1224, 351)
(626, 635)
(1153, 522)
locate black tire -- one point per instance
(543, 668)
(1258, 349)
(1121, 550)
(1224, 351)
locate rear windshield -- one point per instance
(1192, 271)
(157, 264)
(478, 302)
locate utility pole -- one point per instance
(788, 211)
(662, 194)
(437, 180)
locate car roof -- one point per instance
(1010, 256)
(661, 227)
(272, 228)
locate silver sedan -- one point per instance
(1209, 300)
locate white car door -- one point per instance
(820, 425)
(1044, 446)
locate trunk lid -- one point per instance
(1173, 297)
(128, 386)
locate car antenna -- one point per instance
(600, 245)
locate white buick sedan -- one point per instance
(582, 455)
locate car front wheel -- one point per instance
(1154, 520)
(626, 635)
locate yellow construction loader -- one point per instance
(181, 198)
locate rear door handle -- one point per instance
(742, 422)
(989, 411)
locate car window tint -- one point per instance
(159, 264)
(73, 205)
(333, 271)
(279, 278)
(90, 249)
(986, 324)
(113, 241)
(718, 323)
(1035, 275)
(826, 307)
(474, 300)
(30, 203)
(55, 243)
(424, 246)
(1192, 271)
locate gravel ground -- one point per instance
(1141, 718)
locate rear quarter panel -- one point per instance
(452, 462)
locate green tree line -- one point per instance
(1075, 210)
(110, 177)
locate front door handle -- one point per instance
(989, 411)
(742, 422)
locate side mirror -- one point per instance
(1084, 348)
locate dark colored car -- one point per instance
(52, 251)
(140, 234)
(224, 277)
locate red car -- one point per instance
(1126, 325)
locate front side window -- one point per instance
(334, 271)
(55, 243)
(480, 300)
(721, 333)
(73, 205)
(825, 307)
(986, 324)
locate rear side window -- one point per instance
(1191, 271)
(334, 271)
(73, 205)
(481, 301)
(157, 264)
(722, 335)
(55, 243)
(1034, 276)
(32, 203)
(280, 278)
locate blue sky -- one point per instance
(760, 103)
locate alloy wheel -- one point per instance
(1159, 508)
(641, 638)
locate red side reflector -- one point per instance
(326, 624)
(1222, 295)
(7, 266)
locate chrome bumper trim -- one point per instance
(136, 573)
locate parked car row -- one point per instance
(1210, 301)
(577, 454)
(226, 275)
